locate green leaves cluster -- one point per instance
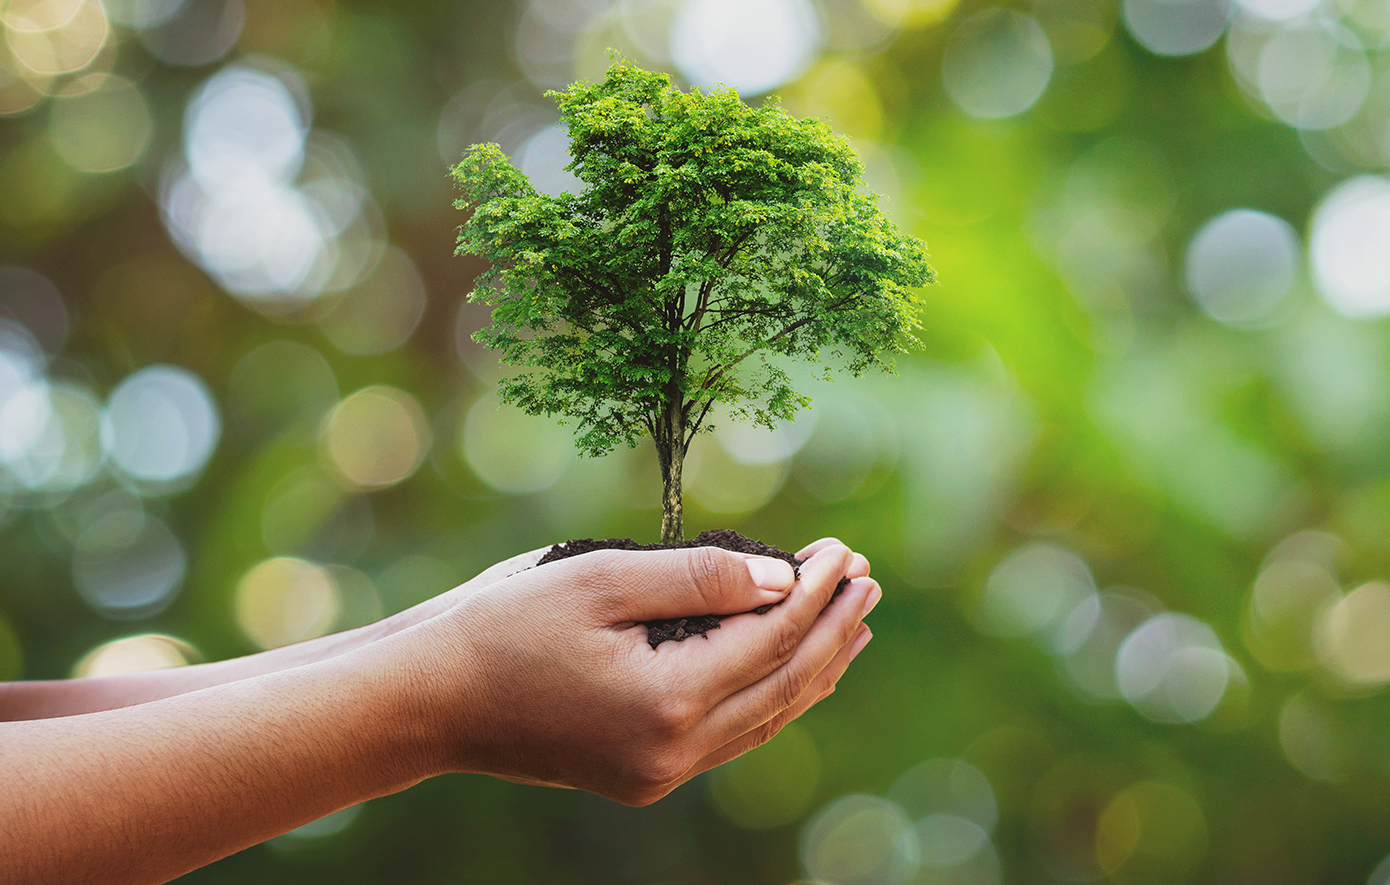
(708, 238)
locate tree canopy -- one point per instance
(708, 237)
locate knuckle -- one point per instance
(785, 642)
(786, 690)
(676, 717)
(710, 572)
(846, 631)
(593, 574)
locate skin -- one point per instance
(142, 778)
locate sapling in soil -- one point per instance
(710, 242)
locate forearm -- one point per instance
(149, 792)
(45, 699)
(69, 697)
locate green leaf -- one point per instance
(711, 242)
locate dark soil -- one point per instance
(679, 629)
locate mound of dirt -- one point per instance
(680, 629)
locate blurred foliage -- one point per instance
(1129, 503)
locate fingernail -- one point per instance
(859, 643)
(771, 574)
(874, 596)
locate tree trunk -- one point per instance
(670, 454)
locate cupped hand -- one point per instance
(546, 676)
(858, 568)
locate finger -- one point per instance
(652, 585)
(859, 567)
(749, 707)
(819, 689)
(815, 547)
(753, 645)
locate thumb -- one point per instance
(702, 581)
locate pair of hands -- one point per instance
(541, 675)
(551, 680)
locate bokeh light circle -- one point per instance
(1151, 832)
(722, 483)
(1313, 738)
(1285, 602)
(859, 840)
(56, 37)
(946, 786)
(64, 452)
(376, 437)
(25, 415)
(1381, 874)
(311, 515)
(751, 444)
(103, 128)
(285, 600)
(274, 216)
(380, 313)
(1313, 76)
(852, 437)
(36, 16)
(1350, 247)
(954, 811)
(1241, 266)
(128, 565)
(996, 63)
(1176, 27)
(1030, 590)
(244, 123)
(896, 14)
(324, 827)
(511, 451)
(1352, 635)
(260, 402)
(1172, 668)
(751, 45)
(1278, 10)
(197, 33)
(160, 425)
(544, 157)
(770, 786)
(133, 654)
(142, 14)
(22, 360)
(1092, 634)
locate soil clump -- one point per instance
(680, 629)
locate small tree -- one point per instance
(708, 237)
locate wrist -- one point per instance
(422, 687)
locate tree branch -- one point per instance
(693, 428)
(728, 316)
(787, 330)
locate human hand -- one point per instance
(858, 568)
(546, 676)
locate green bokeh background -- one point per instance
(1069, 392)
